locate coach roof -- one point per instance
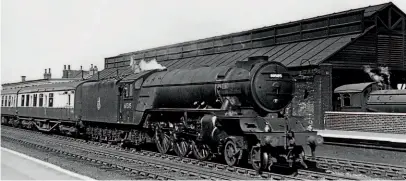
(52, 87)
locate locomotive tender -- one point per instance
(234, 112)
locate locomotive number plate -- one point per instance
(127, 105)
(275, 75)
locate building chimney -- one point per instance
(68, 67)
(22, 78)
(95, 68)
(45, 74)
(80, 67)
(64, 72)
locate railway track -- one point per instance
(148, 168)
(115, 151)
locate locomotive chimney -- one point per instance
(250, 61)
(49, 73)
(23, 78)
(64, 67)
(45, 74)
(68, 67)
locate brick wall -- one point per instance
(368, 122)
(312, 96)
(302, 108)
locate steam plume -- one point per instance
(373, 76)
(150, 65)
(144, 65)
(385, 71)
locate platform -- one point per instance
(17, 166)
(369, 136)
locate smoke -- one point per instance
(145, 65)
(385, 71)
(151, 65)
(134, 66)
(378, 77)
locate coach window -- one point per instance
(45, 100)
(34, 102)
(41, 100)
(5, 101)
(51, 100)
(68, 99)
(9, 101)
(2, 100)
(22, 100)
(27, 100)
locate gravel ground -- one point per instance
(78, 166)
(362, 154)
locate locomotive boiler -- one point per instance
(392, 101)
(231, 112)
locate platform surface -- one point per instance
(17, 166)
(397, 138)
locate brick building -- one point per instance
(322, 53)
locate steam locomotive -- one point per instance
(371, 97)
(232, 112)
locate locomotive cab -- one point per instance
(353, 97)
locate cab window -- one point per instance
(346, 100)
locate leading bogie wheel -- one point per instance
(231, 153)
(259, 159)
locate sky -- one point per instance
(42, 34)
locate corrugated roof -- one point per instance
(292, 52)
(292, 55)
(51, 87)
(353, 88)
(112, 73)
